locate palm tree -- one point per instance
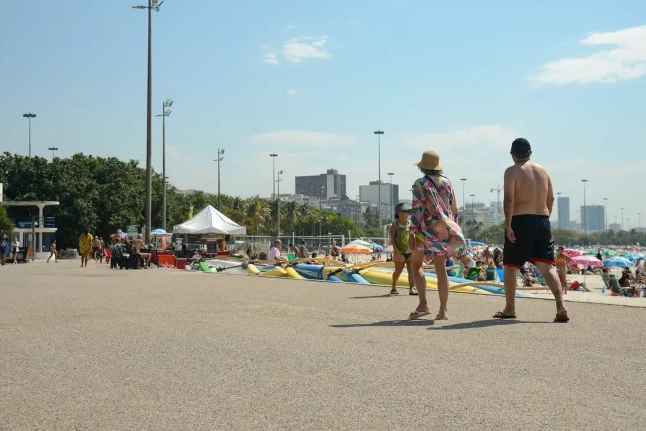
(292, 213)
(258, 212)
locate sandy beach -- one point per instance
(162, 349)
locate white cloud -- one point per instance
(300, 138)
(625, 60)
(487, 136)
(298, 49)
(291, 92)
(270, 58)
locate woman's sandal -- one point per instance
(394, 292)
(412, 292)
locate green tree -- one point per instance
(6, 225)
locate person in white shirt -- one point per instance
(15, 247)
(274, 253)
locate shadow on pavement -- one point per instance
(387, 295)
(483, 324)
(420, 322)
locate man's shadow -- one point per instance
(482, 324)
(387, 295)
(388, 323)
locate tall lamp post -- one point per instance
(584, 216)
(278, 180)
(152, 5)
(497, 189)
(219, 159)
(29, 116)
(165, 113)
(52, 149)
(558, 218)
(622, 219)
(605, 213)
(273, 174)
(379, 133)
(639, 219)
(464, 209)
(390, 174)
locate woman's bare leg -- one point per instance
(442, 285)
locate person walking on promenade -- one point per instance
(434, 231)
(15, 248)
(562, 261)
(399, 233)
(52, 251)
(85, 247)
(528, 200)
(4, 250)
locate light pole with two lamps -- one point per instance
(29, 116)
(165, 113)
(152, 5)
(52, 149)
(220, 157)
(379, 133)
(390, 174)
(584, 216)
(273, 174)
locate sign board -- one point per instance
(132, 230)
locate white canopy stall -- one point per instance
(209, 220)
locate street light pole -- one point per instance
(622, 219)
(639, 219)
(52, 149)
(219, 159)
(152, 5)
(165, 113)
(584, 216)
(379, 133)
(390, 174)
(29, 116)
(273, 174)
(464, 209)
(497, 189)
(278, 180)
(605, 213)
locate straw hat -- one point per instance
(430, 160)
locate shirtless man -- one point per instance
(528, 204)
(139, 244)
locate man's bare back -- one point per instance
(528, 189)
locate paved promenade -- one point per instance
(95, 349)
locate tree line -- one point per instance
(105, 194)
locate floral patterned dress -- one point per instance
(434, 217)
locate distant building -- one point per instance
(389, 196)
(563, 207)
(592, 218)
(325, 186)
(615, 227)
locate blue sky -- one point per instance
(311, 81)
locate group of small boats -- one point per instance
(375, 273)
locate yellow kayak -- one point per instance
(291, 273)
(276, 271)
(385, 277)
(252, 269)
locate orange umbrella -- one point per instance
(355, 249)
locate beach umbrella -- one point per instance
(585, 260)
(355, 249)
(361, 242)
(388, 249)
(159, 231)
(609, 253)
(571, 252)
(617, 261)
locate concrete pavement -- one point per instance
(96, 349)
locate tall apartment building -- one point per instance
(593, 218)
(324, 186)
(389, 196)
(563, 208)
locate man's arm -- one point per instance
(549, 200)
(508, 197)
(508, 202)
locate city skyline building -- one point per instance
(563, 208)
(324, 186)
(370, 195)
(594, 218)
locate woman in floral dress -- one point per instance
(434, 230)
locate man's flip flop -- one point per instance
(417, 314)
(394, 292)
(412, 292)
(501, 315)
(561, 319)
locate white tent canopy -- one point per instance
(210, 220)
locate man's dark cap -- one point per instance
(521, 146)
